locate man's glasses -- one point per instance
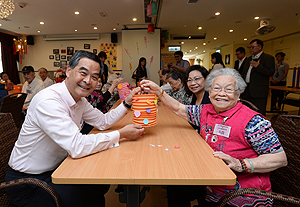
(252, 47)
(226, 90)
(176, 56)
(196, 79)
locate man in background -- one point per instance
(180, 65)
(240, 62)
(257, 70)
(43, 73)
(32, 85)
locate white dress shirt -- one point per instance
(51, 131)
(247, 79)
(48, 82)
(32, 89)
(241, 62)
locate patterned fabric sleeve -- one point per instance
(193, 113)
(261, 136)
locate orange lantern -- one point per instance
(144, 110)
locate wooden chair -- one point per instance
(284, 180)
(8, 137)
(249, 104)
(13, 104)
(292, 102)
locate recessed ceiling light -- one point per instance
(203, 50)
(199, 27)
(42, 23)
(245, 39)
(95, 28)
(190, 50)
(185, 53)
(77, 12)
(256, 17)
(75, 30)
(215, 38)
(182, 43)
(0, 25)
(190, 36)
(217, 13)
(134, 19)
(38, 31)
(231, 30)
(114, 29)
(204, 43)
(196, 48)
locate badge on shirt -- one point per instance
(28, 91)
(222, 130)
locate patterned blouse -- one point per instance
(114, 96)
(181, 96)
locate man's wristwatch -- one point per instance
(126, 105)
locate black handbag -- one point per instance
(134, 74)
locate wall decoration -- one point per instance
(56, 64)
(51, 57)
(55, 51)
(63, 63)
(63, 51)
(111, 51)
(63, 57)
(70, 50)
(95, 51)
(57, 57)
(68, 58)
(87, 46)
(126, 50)
(227, 59)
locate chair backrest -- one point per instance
(8, 136)
(249, 104)
(13, 104)
(285, 180)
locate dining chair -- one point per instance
(8, 136)
(13, 104)
(286, 191)
(249, 104)
(292, 102)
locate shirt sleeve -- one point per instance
(186, 65)
(261, 136)
(193, 113)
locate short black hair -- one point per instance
(77, 56)
(175, 75)
(3, 74)
(179, 53)
(199, 68)
(241, 50)
(164, 71)
(282, 54)
(102, 54)
(258, 41)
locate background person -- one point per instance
(180, 65)
(3, 92)
(163, 73)
(114, 94)
(43, 73)
(141, 71)
(248, 144)
(239, 63)
(8, 83)
(106, 67)
(279, 79)
(216, 60)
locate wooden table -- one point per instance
(285, 88)
(137, 163)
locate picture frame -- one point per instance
(95, 51)
(68, 58)
(56, 64)
(55, 51)
(70, 50)
(87, 46)
(51, 57)
(63, 63)
(57, 56)
(63, 57)
(227, 59)
(63, 51)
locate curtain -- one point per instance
(9, 60)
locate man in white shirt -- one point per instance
(32, 85)
(51, 132)
(239, 63)
(163, 73)
(43, 73)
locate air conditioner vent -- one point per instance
(193, 37)
(71, 37)
(192, 1)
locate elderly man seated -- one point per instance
(43, 73)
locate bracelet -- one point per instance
(126, 105)
(251, 164)
(244, 167)
(158, 97)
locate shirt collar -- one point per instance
(229, 113)
(242, 59)
(32, 82)
(66, 95)
(257, 55)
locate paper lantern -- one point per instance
(150, 28)
(123, 90)
(154, 9)
(149, 10)
(144, 110)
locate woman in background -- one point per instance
(141, 72)
(216, 59)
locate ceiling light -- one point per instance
(134, 19)
(75, 30)
(231, 30)
(77, 12)
(256, 17)
(203, 50)
(215, 38)
(114, 29)
(190, 50)
(245, 39)
(38, 31)
(7, 8)
(42, 23)
(185, 53)
(190, 36)
(95, 28)
(182, 43)
(217, 13)
(204, 43)
(199, 27)
(0, 25)
(196, 48)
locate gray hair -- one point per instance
(111, 78)
(240, 83)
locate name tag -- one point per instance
(222, 130)
(28, 91)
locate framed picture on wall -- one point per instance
(51, 57)
(56, 64)
(55, 51)
(63, 63)
(63, 57)
(70, 50)
(227, 59)
(57, 57)
(63, 51)
(87, 46)
(68, 58)
(95, 51)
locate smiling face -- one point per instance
(83, 79)
(221, 100)
(175, 84)
(29, 76)
(99, 85)
(43, 74)
(195, 81)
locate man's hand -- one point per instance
(24, 108)
(135, 91)
(131, 131)
(254, 63)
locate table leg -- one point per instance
(132, 195)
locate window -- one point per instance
(1, 66)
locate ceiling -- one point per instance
(177, 17)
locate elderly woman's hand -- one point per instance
(150, 87)
(232, 162)
(135, 91)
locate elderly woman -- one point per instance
(241, 137)
(175, 79)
